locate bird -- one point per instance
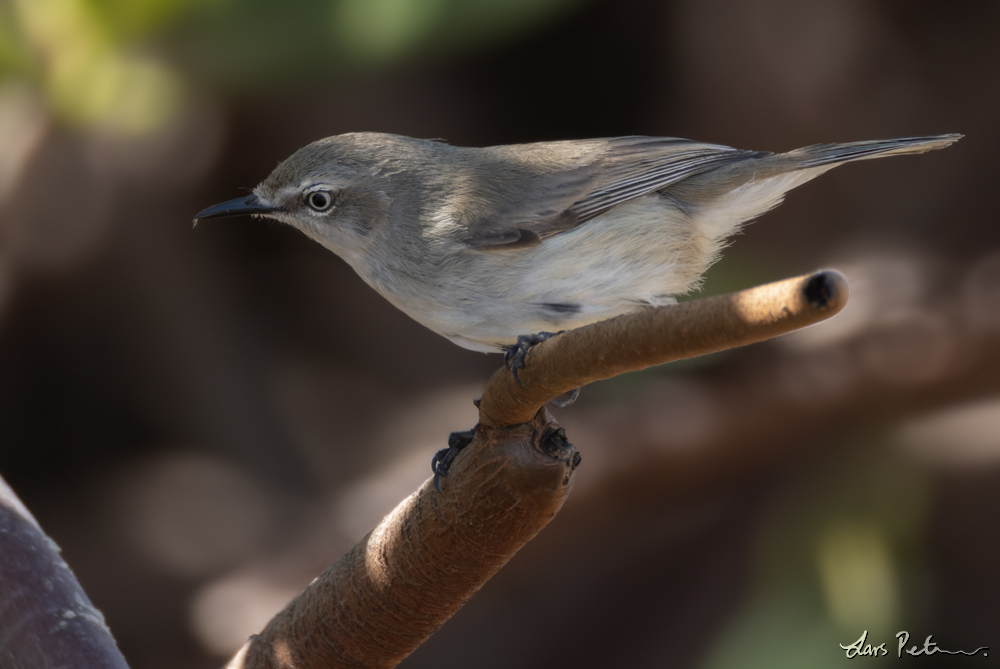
(492, 246)
(496, 248)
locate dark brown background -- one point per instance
(204, 418)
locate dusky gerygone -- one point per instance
(482, 245)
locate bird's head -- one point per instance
(335, 190)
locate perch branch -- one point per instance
(388, 594)
(655, 336)
(400, 583)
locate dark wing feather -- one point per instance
(625, 168)
(638, 166)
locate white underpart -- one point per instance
(723, 216)
(641, 253)
(638, 254)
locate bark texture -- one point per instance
(388, 594)
(400, 583)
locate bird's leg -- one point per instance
(442, 460)
(513, 356)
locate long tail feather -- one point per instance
(827, 154)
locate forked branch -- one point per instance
(386, 596)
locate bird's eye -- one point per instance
(320, 200)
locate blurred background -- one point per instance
(205, 418)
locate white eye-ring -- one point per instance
(320, 200)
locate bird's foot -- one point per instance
(565, 399)
(443, 459)
(513, 356)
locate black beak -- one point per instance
(241, 206)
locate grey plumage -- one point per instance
(481, 245)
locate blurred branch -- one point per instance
(387, 595)
(46, 619)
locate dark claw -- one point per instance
(443, 459)
(565, 399)
(513, 356)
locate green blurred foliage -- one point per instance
(15, 51)
(139, 19)
(127, 65)
(379, 30)
(249, 44)
(85, 59)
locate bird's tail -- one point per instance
(748, 187)
(819, 155)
